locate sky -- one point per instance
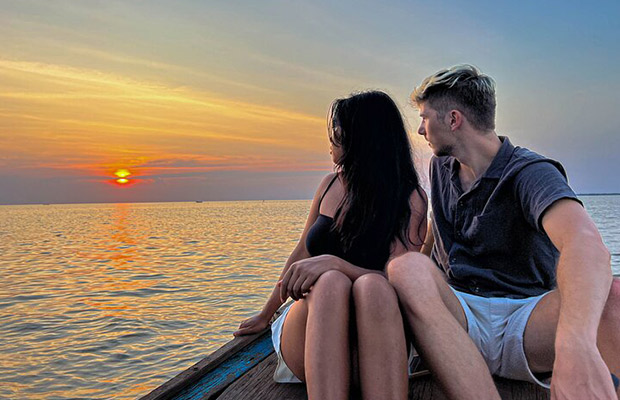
(227, 100)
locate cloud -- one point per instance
(65, 118)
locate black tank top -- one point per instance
(322, 238)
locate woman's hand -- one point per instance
(302, 274)
(251, 325)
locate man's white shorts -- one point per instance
(497, 325)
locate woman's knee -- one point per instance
(374, 296)
(331, 285)
(334, 278)
(374, 288)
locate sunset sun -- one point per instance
(122, 175)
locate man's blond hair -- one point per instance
(462, 87)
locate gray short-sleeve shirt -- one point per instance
(490, 240)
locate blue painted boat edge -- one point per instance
(217, 380)
(188, 378)
(180, 383)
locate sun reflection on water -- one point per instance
(114, 297)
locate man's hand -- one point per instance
(252, 325)
(302, 275)
(580, 373)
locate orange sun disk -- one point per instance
(122, 173)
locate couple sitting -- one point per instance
(511, 279)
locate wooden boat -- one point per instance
(243, 369)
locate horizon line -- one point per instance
(215, 201)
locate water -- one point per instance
(109, 301)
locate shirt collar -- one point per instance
(500, 160)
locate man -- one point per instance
(524, 285)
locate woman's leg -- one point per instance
(315, 337)
(381, 339)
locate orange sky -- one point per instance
(81, 119)
(228, 101)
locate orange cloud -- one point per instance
(62, 118)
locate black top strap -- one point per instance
(325, 192)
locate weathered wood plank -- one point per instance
(518, 390)
(258, 384)
(424, 388)
(427, 388)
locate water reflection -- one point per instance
(108, 301)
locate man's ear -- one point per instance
(455, 119)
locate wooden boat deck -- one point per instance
(243, 369)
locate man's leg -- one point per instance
(438, 323)
(539, 337)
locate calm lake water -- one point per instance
(105, 301)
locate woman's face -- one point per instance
(334, 148)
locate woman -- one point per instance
(369, 211)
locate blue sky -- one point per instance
(227, 100)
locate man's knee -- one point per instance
(414, 268)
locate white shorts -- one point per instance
(283, 373)
(497, 325)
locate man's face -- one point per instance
(435, 130)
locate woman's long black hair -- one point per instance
(378, 173)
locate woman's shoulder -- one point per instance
(322, 190)
(325, 182)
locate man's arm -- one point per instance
(584, 279)
(583, 272)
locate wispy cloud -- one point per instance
(80, 125)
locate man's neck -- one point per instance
(475, 155)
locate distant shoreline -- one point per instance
(151, 202)
(213, 201)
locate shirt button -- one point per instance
(476, 289)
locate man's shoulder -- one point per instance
(523, 155)
(525, 158)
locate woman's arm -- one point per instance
(301, 275)
(261, 320)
